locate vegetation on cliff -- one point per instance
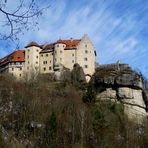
(48, 113)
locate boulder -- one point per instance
(131, 80)
(133, 101)
(109, 93)
(118, 82)
(125, 93)
(145, 97)
(117, 76)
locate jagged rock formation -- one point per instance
(119, 82)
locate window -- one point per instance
(50, 68)
(85, 59)
(44, 68)
(28, 62)
(28, 57)
(85, 66)
(20, 75)
(20, 68)
(36, 62)
(86, 51)
(73, 61)
(50, 61)
(46, 55)
(12, 69)
(18, 57)
(37, 57)
(57, 45)
(55, 60)
(28, 50)
(44, 62)
(73, 54)
(60, 51)
(20, 63)
(60, 59)
(85, 45)
(36, 68)
(37, 50)
(63, 46)
(41, 55)
(28, 68)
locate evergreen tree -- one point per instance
(90, 95)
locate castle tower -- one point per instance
(58, 55)
(32, 58)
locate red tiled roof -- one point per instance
(47, 48)
(16, 56)
(32, 44)
(69, 43)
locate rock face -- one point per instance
(119, 82)
(119, 75)
(77, 74)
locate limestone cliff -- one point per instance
(118, 82)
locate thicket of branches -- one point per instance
(18, 16)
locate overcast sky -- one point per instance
(117, 28)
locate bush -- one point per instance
(90, 95)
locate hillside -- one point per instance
(46, 113)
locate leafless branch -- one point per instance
(19, 19)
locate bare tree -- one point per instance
(18, 16)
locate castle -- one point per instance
(49, 58)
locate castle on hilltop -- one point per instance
(49, 58)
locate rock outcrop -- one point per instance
(118, 82)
